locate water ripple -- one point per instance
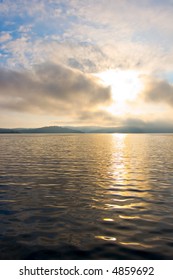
(86, 196)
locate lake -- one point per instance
(86, 196)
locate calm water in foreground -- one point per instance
(86, 196)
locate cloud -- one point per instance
(99, 117)
(4, 36)
(79, 38)
(51, 89)
(22, 7)
(118, 34)
(148, 126)
(158, 91)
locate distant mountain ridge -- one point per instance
(46, 129)
(90, 129)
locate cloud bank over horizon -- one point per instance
(51, 50)
(51, 89)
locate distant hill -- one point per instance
(118, 130)
(46, 129)
(50, 129)
(90, 129)
(134, 129)
(8, 130)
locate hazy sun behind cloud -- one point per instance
(125, 86)
(49, 51)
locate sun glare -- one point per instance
(125, 86)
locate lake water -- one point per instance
(86, 196)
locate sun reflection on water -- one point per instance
(125, 198)
(86, 191)
(118, 165)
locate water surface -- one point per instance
(86, 196)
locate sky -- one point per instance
(94, 63)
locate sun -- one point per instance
(125, 86)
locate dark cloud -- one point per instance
(158, 91)
(51, 88)
(148, 126)
(136, 122)
(99, 117)
(85, 65)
